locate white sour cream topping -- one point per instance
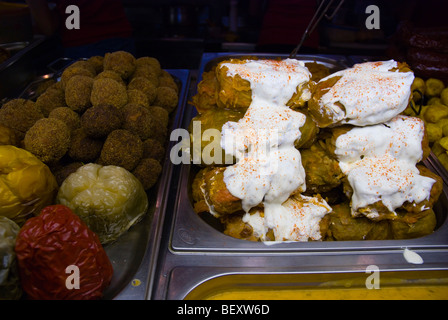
(294, 220)
(269, 168)
(380, 163)
(369, 92)
(412, 256)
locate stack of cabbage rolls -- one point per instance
(304, 154)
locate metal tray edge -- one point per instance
(145, 274)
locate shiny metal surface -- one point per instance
(335, 286)
(193, 252)
(14, 47)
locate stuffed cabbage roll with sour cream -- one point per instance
(342, 226)
(322, 171)
(380, 162)
(206, 96)
(235, 90)
(205, 128)
(300, 218)
(235, 227)
(297, 219)
(426, 223)
(347, 167)
(368, 93)
(211, 194)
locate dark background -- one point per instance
(178, 32)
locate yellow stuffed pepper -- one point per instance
(26, 184)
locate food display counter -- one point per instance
(196, 261)
(137, 247)
(173, 253)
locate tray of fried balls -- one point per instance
(313, 158)
(92, 138)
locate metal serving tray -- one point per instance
(193, 251)
(133, 255)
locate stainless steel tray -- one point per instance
(133, 255)
(193, 252)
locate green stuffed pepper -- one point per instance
(10, 288)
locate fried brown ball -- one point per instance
(147, 172)
(77, 92)
(19, 115)
(73, 71)
(84, 148)
(7, 136)
(97, 63)
(166, 98)
(112, 75)
(57, 85)
(148, 72)
(48, 139)
(99, 121)
(52, 98)
(160, 114)
(44, 85)
(108, 91)
(138, 97)
(144, 85)
(160, 133)
(84, 64)
(122, 148)
(138, 120)
(153, 149)
(151, 61)
(61, 172)
(70, 117)
(166, 80)
(161, 117)
(121, 62)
